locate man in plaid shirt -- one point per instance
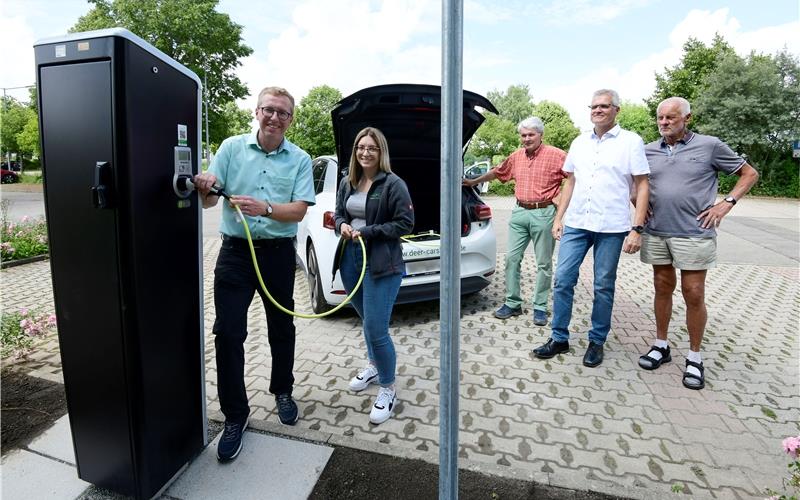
(536, 169)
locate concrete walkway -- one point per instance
(615, 429)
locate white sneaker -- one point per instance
(366, 376)
(382, 409)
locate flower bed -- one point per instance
(21, 240)
(19, 329)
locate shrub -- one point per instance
(498, 188)
(19, 329)
(23, 239)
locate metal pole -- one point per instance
(450, 287)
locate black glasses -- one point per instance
(601, 106)
(282, 115)
(368, 149)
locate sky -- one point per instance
(562, 50)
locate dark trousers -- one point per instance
(235, 282)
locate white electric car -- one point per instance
(409, 116)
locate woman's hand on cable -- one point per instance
(348, 232)
(249, 205)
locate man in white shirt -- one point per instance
(604, 167)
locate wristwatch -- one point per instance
(638, 229)
(730, 199)
(268, 211)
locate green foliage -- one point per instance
(498, 188)
(20, 240)
(194, 34)
(753, 104)
(18, 330)
(496, 136)
(15, 117)
(514, 105)
(686, 79)
(559, 129)
(312, 128)
(234, 120)
(28, 138)
(637, 118)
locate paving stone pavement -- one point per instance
(615, 427)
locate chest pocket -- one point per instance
(280, 189)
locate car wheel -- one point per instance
(8, 179)
(318, 303)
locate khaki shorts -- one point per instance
(690, 254)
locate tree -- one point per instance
(312, 128)
(235, 120)
(14, 116)
(753, 104)
(496, 136)
(637, 118)
(190, 31)
(559, 129)
(28, 138)
(686, 79)
(514, 105)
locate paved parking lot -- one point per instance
(614, 428)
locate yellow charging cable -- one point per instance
(408, 238)
(274, 302)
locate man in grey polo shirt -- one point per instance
(680, 233)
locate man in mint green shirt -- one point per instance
(270, 179)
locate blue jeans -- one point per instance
(575, 243)
(373, 302)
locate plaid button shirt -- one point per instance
(537, 177)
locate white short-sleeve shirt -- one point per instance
(604, 168)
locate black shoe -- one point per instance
(287, 409)
(550, 349)
(539, 317)
(506, 312)
(230, 444)
(594, 355)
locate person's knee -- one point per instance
(565, 279)
(694, 294)
(664, 285)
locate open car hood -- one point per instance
(409, 115)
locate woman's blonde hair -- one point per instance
(383, 160)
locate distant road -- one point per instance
(760, 231)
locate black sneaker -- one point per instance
(287, 409)
(230, 444)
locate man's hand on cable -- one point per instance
(249, 205)
(203, 183)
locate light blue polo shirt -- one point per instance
(280, 176)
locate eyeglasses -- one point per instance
(601, 106)
(368, 149)
(282, 115)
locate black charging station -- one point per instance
(119, 129)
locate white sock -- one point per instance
(694, 356)
(655, 354)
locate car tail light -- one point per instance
(328, 220)
(483, 212)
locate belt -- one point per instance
(257, 243)
(535, 204)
